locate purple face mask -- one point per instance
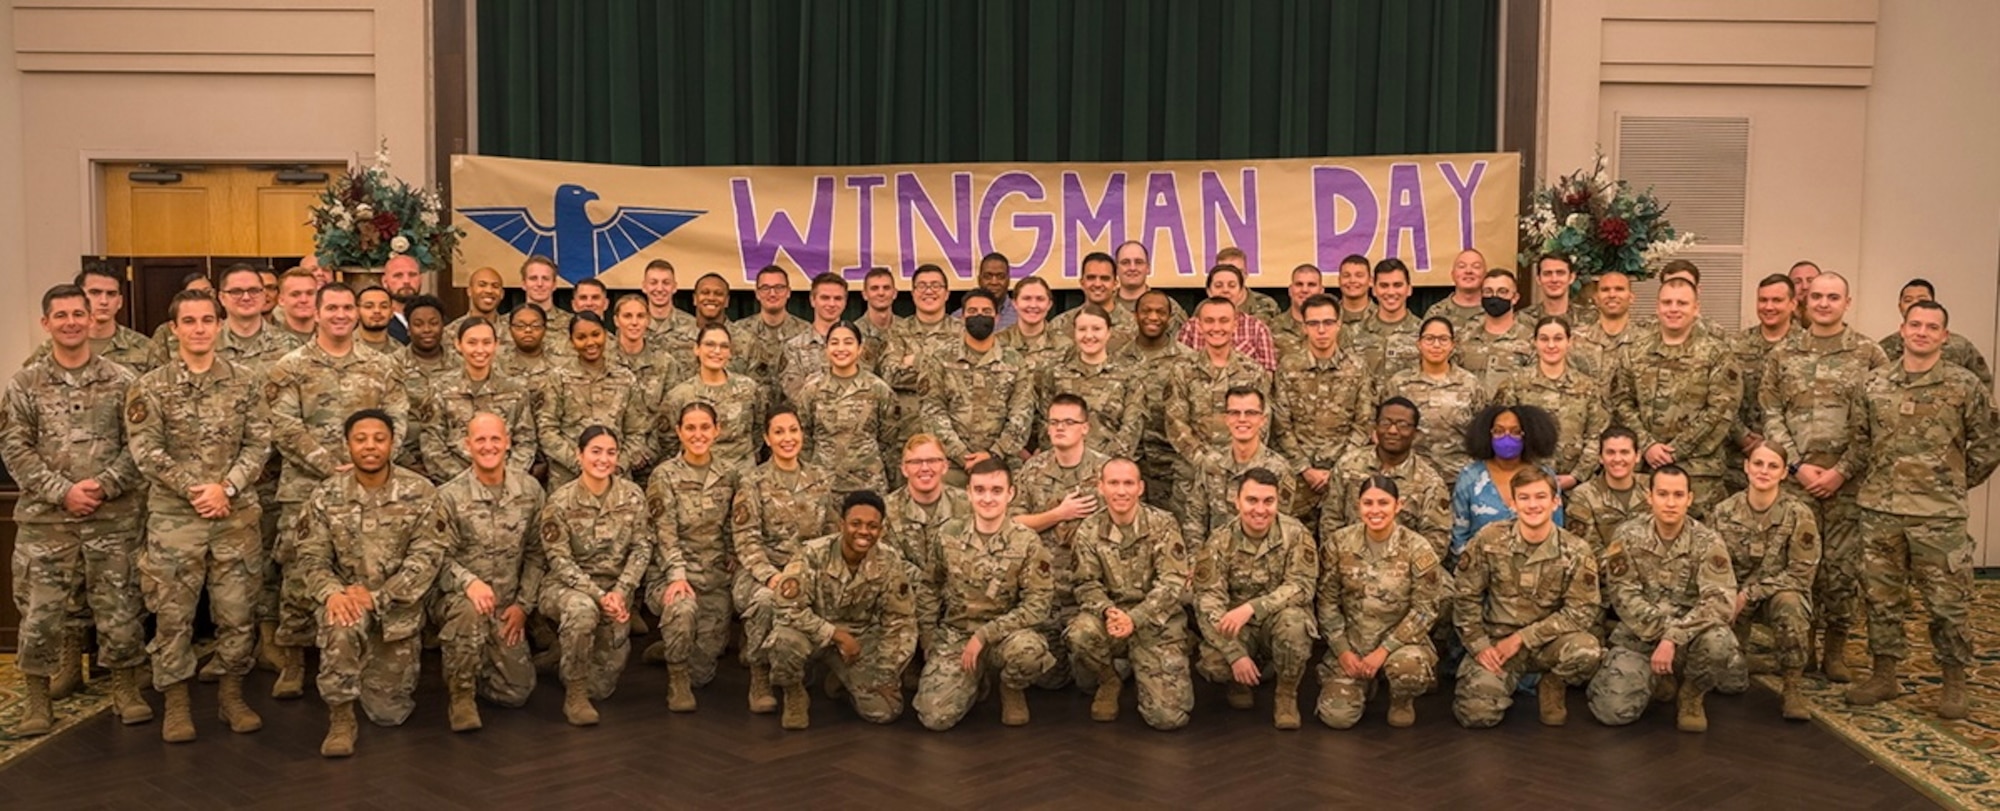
(1507, 447)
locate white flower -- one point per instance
(401, 244)
(1577, 220)
(364, 211)
(344, 220)
(429, 218)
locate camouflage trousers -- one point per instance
(1056, 631)
(1283, 640)
(755, 603)
(1410, 670)
(185, 553)
(1707, 491)
(946, 690)
(298, 626)
(267, 525)
(874, 683)
(1934, 555)
(1789, 615)
(1623, 686)
(1483, 696)
(54, 562)
(593, 646)
(695, 632)
(1159, 468)
(1836, 588)
(357, 662)
(477, 656)
(1158, 653)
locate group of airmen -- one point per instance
(991, 499)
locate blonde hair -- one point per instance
(920, 440)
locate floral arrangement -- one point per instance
(1601, 224)
(367, 216)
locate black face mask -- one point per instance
(980, 327)
(1495, 306)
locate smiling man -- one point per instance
(843, 602)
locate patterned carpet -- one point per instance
(83, 706)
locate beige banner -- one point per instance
(608, 222)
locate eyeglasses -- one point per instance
(1396, 425)
(1434, 339)
(242, 292)
(929, 286)
(1067, 423)
(1243, 414)
(932, 462)
(1322, 323)
(774, 288)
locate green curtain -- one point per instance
(844, 82)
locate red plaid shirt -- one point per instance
(1253, 339)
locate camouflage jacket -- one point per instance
(597, 544)
(1684, 395)
(1506, 585)
(1196, 396)
(912, 529)
(849, 423)
(1379, 595)
(820, 592)
(575, 398)
(1493, 358)
(455, 400)
(1277, 571)
(185, 429)
(493, 537)
(1921, 439)
(1426, 499)
(1208, 496)
(1578, 404)
(690, 507)
(1805, 390)
(739, 411)
(1444, 407)
(775, 510)
(312, 394)
(1771, 551)
(388, 539)
(1667, 589)
(64, 426)
(979, 401)
(1142, 569)
(1115, 397)
(983, 586)
(1594, 512)
(1324, 407)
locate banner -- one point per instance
(608, 221)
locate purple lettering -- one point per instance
(1242, 224)
(1465, 189)
(1108, 216)
(864, 194)
(1406, 213)
(957, 244)
(1163, 211)
(813, 251)
(1042, 223)
(1331, 184)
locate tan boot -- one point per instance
(1285, 707)
(1104, 705)
(291, 681)
(761, 700)
(576, 706)
(798, 707)
(1240, 697)
(1692, 717)
(654, 654)
(1013, 706)
(464, 710)
(68, 677)
(211, 671)
(1881, 685)
(39, 717)
(1797, 708)
(1402, 709)
(126, 698)
(1665, 688)
(267, 647)
(1951, 703)
(340, 730)
(233, 711)
(680, 695)
(1833, 656)
(1553, 694)
(179, 724)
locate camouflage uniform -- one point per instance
(493, 539)
(420, 380)
(63, 426)
(1110, 389)
(1039, 352)
(185, 429)
(654, 370)
(848, 422)
(1774, 554)
(1958, 351)
(874, 339)
(1494, 358)
(1377, 595)
(1678, 589)
(1426, 499)
(803, 357)
(1546, 592)
(1288, 335)
(126, 347)
(595, 545)
(1923, 437)
(1594, 512)
(1196, 399)
(1324, 408)
(690, 507)
(995, 588)
(1276, 574)
(1577, 403)
(760, 347)
(1158, 463)
(312, 393)
(910, 345)
(1445, 406)
(1387, 348)
(531, 370)
(1750, 351)
(674, 335)
(1124, 323)
(1261, 306)
(389, 540)
(1683, 395)
(739, 411)
(1208, 493)
(818, 593)
(978, 401)
(1806, 392)
(1462, 317)
(1596, 352)
(1039, 485)
(557, 320)
(775, 510)
(1143, 570)
(455, 400)
(1581, 313)
(575, 398)
(912, 529)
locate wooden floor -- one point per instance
(644, 757)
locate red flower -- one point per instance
(386, 222)
(1614, 231)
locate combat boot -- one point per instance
(39, 717)
(654, 654)
(179, 724)
(464, 709)
(1796, 706)
(267, 647)
(1104, 705)
(1285, 706)
(1833, 656)
(126, 700)
(68, 677)
(576, 706)
(291, 681)
(233, 711)
(761, 700)
(1402, 709)
(1691, 716)
(1240, 697)
(1553, 693)
(798, 707)
(1013, 706)
(211, 671)
(1951, 703)
(1665, 688)
(1881, 685)
(680, 695)
(340, 730)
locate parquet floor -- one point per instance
(643, 757)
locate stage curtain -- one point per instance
(833, 82)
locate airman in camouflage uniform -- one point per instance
(1594, 510)
(673, 335)
(1426, 500)
(1774, 551)
(1674, 598)
(1925, 431)
(739, 405)
(1195, 423)
(126, 347)
(1957, 351)
(1447, 404)
(1114, 394)
(455, 399)
(1270, 571)
(1494, 358)
(1682, 396)
(1385, 346)
(495, 541)
(1208, 493)
(978, 402)
(1378, 596)
(1152, 394)
(1750, 349)
(1043, 484)
(912, 526)
(575, 397)
(595, 544)
(775, 510)
(802, 358)
(911, 345)
(761, 346)
(690, 506)
(823, 596)
(1136, 570)
(849, 422)
(1324, 399)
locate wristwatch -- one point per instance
(229, 489)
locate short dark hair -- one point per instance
(422, 301)
(1617, 432)
(1244, 391)
(1931, 304)
(1098, 256)
(928, 267)
(978, 293)
(1218, 300)
(101, 269)
(1674, 266)
(1671, 469)
(1553, 319)
(1069, 399)
(879, 271)
(862, 498)
(1778, 278)
(770, 269)
(1353, 259)
(1392, 265)
(1416, 414)
(991, 464)
(1929, 288)
(594, 283)
(1449, 328)
(319, 296)
(1318, 300)
(62, 291)
(184, 296)
(1553, 257)
(831, 278)
(364, 415)
(1221, 269)
(1260, 474)
(1538, 432)
(528, 306)
(779, 410)
(586, 317)
(197, 276)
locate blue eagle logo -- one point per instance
(582, 249)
